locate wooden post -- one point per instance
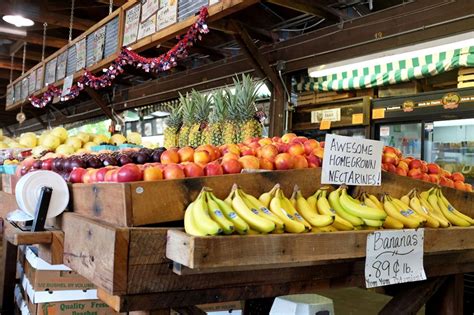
(449, 298)
(8, 277)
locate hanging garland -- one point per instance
(161, 63)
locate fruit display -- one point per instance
(227, 116)
(327, 210)
(394, 162)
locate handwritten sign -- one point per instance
(81, 54)
(132, 20)
(149, 8)
(67, 85)
(61, 67)
(99, 43)
(352, 161)
(9, 95)
(147, 28)
(50, 74)
(167, 15)
(394, 257)
(24, 88)
(39, 78)
(32, 82)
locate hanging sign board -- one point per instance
(39, 78)
(61, 70)
(17, 95)
(167, 15)
(99, 43)
(32, 82)
(67, 85)
(9, 95)
(24, 88)
(147, 28)
(149, 8)
(394, 257)
(352, 161)
(81, 54)
(132, 21)
(50, 75)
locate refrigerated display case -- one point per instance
(436, 126)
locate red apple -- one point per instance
(193, 170)
(213, 169)
(186, 154)
(173, 171)
(296, 149)
(310, 145)
(401, 171)
(202, 157)
(300, 162)
(434, 168)
(77, 174)
(266, 164)
(152, 174)
(231, 166)
(458, 177)
(415, 164)
(170, 157)
(269, 152)
(286, 138)
(250, 162)
(130, 173)
(284, 161)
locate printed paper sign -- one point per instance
(149, 8)
(147, 28)
(32, 82)
(384, 131)
(352, 161)
(61, 67)
(333, 114)
(9, 95)
(167, 15)
(99, 43)
(39, 78)
(81, 54)
(50, 74)
(67, 85)
(132, 20)
(394, 257)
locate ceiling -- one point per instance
(268, 22)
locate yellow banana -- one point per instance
(373, 223)
(255, 221)
(310, 215)
(431, 221)
(189, 225)
(257, 207)
(313, 199)
(324, 229)
(404, 208)
(426, 206)
(425, 194)
(239, 224)
(292, 211)
(335, 204)
(392, 223)
(265, 198)
(452, 209)
(218, 216)
(404, 217)
(253, 232)
(203, 221)
(454, 219)
(324, 207)
(355, 208)
(228, 199)
(291, 225)
(405, 199)
(377, 202)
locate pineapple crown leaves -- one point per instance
(202, 106)
(175, 119)
(247, 91)
(187, 109)
(219, 108)
(231, 102)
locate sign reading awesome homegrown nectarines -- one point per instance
(352, 161)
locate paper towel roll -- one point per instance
(28, 190)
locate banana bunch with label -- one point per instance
(401, 215)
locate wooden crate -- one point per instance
(465, 77)
(145, 203)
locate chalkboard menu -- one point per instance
(24, 88)
(9, 95)
(90, 50)
(39, 78)
(50, 74)
(17, 96)
(61, 67)
(111, 37)
(81, 53)
(32, 82)
(71, 60)
(147, 28)
(167, 14)
(132, 20)
(187, 8)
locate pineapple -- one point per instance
(187, 112)
(173, 123)
(213, 132)
(249, 126)
(229, 127)
(202, 106)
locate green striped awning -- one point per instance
(392, 72)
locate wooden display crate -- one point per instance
(145, 203)
(465, 78)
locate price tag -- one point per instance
(325, 125)
(357, 119)
(394, 257)
(378, 113)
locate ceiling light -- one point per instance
(18, 20)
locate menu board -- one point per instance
(39, 78)
(167, 15)
(61, 67)
(111, 36)
(187, 8)
(71, 60)
(24, 88)
(147, 28)
(132, 21)
(50, 74)
(17, 95)
(149, 8)
(9, 95)
(81, 54)
(32, 82)
(99, 43)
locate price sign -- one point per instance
(394, 257)
(352, 161)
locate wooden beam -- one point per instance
(37, 39)
(97, 98)
(30, 54)
(312, 7)
(36, 13)
(117, 3)
(6, 64)
(16, 46)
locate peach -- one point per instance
(296, 149)
(415, 173)
(231, 166)
(299, 139)
(385, 167)
(401, 171)
(170, 157)
(265, 141)
(300, 162)
(434, 168)
(286, 138)
(310, 145)
(415, 164)
(319, 152)
(424, 168)
(404, 165)
(284, 161)
(459, 185)
(247, 151)
(213, 169)
(254, 145)
(192, 169)
(313, 160)
(266, 164)
(388, 149)
(456, 176)
(391, 168)
(230, 156)
(434, 178)
(269, 152)
(186, 154)
(390, 158)
(282, 147)
(202, 157)
(425, 177)
(250, 162)
(210, 149)
(173, 171)
(446, 173)
(468, 187)
(276, 139)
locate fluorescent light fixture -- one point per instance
(394, 55)
(454, 122)
(18, 20)
(13, 31)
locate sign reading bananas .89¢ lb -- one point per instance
(394, 257)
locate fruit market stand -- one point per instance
(139, 268)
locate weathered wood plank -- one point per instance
(19, 237)
(449, 298)
(7, 203)
(53, 253)
(99, 252)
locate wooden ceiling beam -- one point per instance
(313, 7)
(30, 54)
(37, 39)
(32, 11)
(117, 3)
(6, 64)
(5, 74)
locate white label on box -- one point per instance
(394, 257)
(352, 161)
(333, 114)
(384, 131)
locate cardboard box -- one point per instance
(223, 308)
(87, 307)
(9, 183)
